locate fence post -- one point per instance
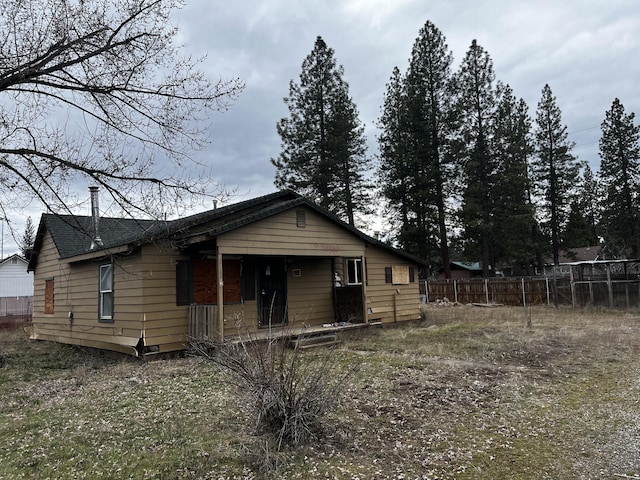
(609, 285)
(573, 286)
(455, 291)
(524, 295)
(426, 290)
(546, 281)
(486, 291)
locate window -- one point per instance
(354, 271)
(399, 275)
(48, 296)
(106, 293)
(196, 282)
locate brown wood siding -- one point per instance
(310, 296)
(75, 290)
(280, 235)
(387, 302)
(166, 325)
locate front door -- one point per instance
(272, 291)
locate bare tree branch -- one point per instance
(98, 91)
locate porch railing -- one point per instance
(203, 322)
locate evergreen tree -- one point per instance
(28, 239)
(413, 123)
(428, 93)
(323, 143)
(581, 230)
(554, 169)
(394, 144)
(476, 104)
(620, 175)
(513, 213)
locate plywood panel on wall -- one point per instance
(388, 302)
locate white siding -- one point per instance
(14, 279)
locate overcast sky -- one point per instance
(586, 50)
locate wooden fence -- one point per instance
(612, 293)
(20, 306)
(507, 291)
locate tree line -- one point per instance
(463, 168)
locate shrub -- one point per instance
(290, 390)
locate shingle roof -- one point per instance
(72, 234)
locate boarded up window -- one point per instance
(48, 296)
(398, 274)
(183, 282)
(232, 285)
(205, 281)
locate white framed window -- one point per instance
(106, 293)
(354, 271)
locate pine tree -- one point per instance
(581, 229)
(28, 239)
(620, 175)
(476, 104)
(554, 169)
(428, 91)
(394, 170)
(323, 144)
(413, 170)
(513, 213)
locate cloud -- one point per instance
(586, 50)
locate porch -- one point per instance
(203, 325)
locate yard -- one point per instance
(470, 393)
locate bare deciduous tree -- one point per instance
(98, 91)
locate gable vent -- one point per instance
(301, 219)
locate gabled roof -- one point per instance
(471, 266)
(10, 257)
(72, 234)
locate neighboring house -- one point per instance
(462, 270)
(143, 286)
(16, 287)
(572, 255)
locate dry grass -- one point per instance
(477, 393)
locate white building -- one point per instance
(16, 286)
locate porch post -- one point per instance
(365, 313)
(220, 293)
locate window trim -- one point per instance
(357, 271)
(105, 294)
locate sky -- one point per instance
(586, 50)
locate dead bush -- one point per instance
(290, 390)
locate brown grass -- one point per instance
(470, 393)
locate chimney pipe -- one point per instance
(95, 218)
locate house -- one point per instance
(462, 270)
(16, 287)
(146, 286)
(565, 257)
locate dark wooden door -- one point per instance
(272, 291)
